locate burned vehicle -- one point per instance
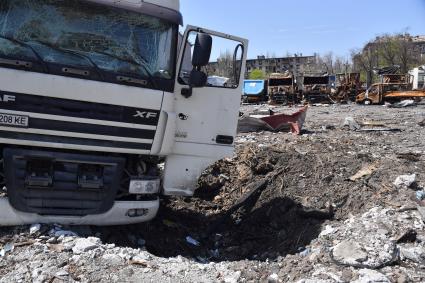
(282, 89)
(316, 88)
(347, 87)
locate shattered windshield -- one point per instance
(79, 34)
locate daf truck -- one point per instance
(98, 116)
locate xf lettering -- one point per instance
(145, 115)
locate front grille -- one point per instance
(51, 183)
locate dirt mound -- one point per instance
(266, 202)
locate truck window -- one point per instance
(223, 70)
(111, 44)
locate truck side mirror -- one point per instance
(202, 50)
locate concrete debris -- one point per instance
(233, 278)
(349, 253)
(415, 253)
(405, 181)
(371, 276)
(273, 278)
(34, 228)
(308, 223)
(85, 244)
(351, 123)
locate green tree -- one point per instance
(257, 74)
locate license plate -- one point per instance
(14, 120)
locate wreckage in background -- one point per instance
(282, 88)
(267, 120)
(392, 87)
(347, 87)
(316, 88)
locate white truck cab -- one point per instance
(98, 117)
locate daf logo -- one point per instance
(7, 98)
(145, 115)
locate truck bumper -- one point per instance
(117, 215)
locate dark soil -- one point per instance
(272, 201)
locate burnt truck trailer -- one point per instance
(316, 89)
(98, 119)
(282, 89)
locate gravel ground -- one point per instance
(320, 207)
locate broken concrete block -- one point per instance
(371, 276)
(349, 253)
(85, 244)
(405, 181)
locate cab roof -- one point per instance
(165, 9)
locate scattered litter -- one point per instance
(57, 232)
(327, 231)
(9, 247)
(405, 181)
(351, 123)
(404, 103)
(224, 176)
(34, 228)
(365, 171)
(192, 241)
(305, 252)
(420, 195)
(140, 262)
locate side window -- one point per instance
(224, 67)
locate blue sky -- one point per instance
(306, 26)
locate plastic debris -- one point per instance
(405, 181)
(404, 103)
(420, 195)
(305, 252)
(225, 177)
(34, 228)
(58, 231)
(9, 247)
(192, 241)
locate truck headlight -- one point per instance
(142, 186)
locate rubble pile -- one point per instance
(335, 204)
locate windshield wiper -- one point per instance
(18, 42)
(73, 52)
(133, 62)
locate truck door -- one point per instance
(208, 114)
(207, 97)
